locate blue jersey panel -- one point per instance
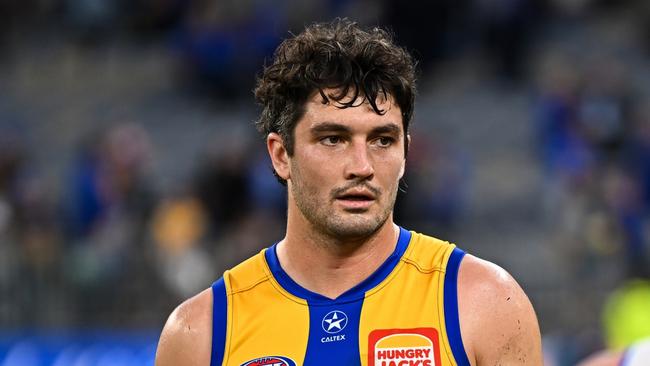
(219, 322)
(334, 330)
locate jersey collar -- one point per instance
(352, 294)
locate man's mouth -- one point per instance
(357, 195)
(356, 199)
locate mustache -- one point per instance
(339, 191)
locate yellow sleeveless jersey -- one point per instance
(404, 314)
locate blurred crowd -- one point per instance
(106, 244)
(593, 128)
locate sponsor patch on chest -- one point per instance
(270, 361)
(404, 347)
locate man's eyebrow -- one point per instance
(387, 128)
(390, 128)
(329, 127)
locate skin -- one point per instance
(333, 243)
(497, 321)
(335, 240)
(603, 358)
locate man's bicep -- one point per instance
(186, 337)
(498, 322)
(521, 329)
(170, 344)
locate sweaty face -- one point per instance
(346, 166)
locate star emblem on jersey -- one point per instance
(335, 321)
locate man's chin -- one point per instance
(354, 228)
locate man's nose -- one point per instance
(359, 165)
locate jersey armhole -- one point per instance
(219, 322)
(452, 320)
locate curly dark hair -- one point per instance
(340, 55)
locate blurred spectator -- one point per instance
(627, 327)
(245, 237)
(38, 230)
(636, 355)
(436, 183)
(603, 112)
(109, 177)
(506, 28)
(237, 209)
(111, 201)
(635, 211)
(30, 235)
(626, 318)
(636, 153)
(12, 159)
(222, 183)
(222, 44)
(86, 204)
(266, 193)
(563, 148)
(179, 226)
(623, 198)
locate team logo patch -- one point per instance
(334, 321)
(270, 361)
(404, 347)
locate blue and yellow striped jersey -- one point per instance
(404, 314)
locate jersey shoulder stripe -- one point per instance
(219, 322)
(452, 319)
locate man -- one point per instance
(346, 285)
(626, 326)
(637, 354)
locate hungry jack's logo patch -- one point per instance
(404, 347)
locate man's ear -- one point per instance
(278, 154)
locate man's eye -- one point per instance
(385, 141)
(331, 140)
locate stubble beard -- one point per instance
(331, 222)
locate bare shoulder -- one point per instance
(186, 338)
(497, 320)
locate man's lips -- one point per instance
(356, 195)
(356, 198)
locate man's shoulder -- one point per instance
(484, 279)
(497, 320)
(247, 273)
(428, 251)
(186, 337)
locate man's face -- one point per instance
(346, 166)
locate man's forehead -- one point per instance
(347, 114)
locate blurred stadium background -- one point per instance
(131, 175)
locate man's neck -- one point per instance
(330, 268)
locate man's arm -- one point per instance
(498, 323)
(604, 358)
(186, 338)
(637, 354)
